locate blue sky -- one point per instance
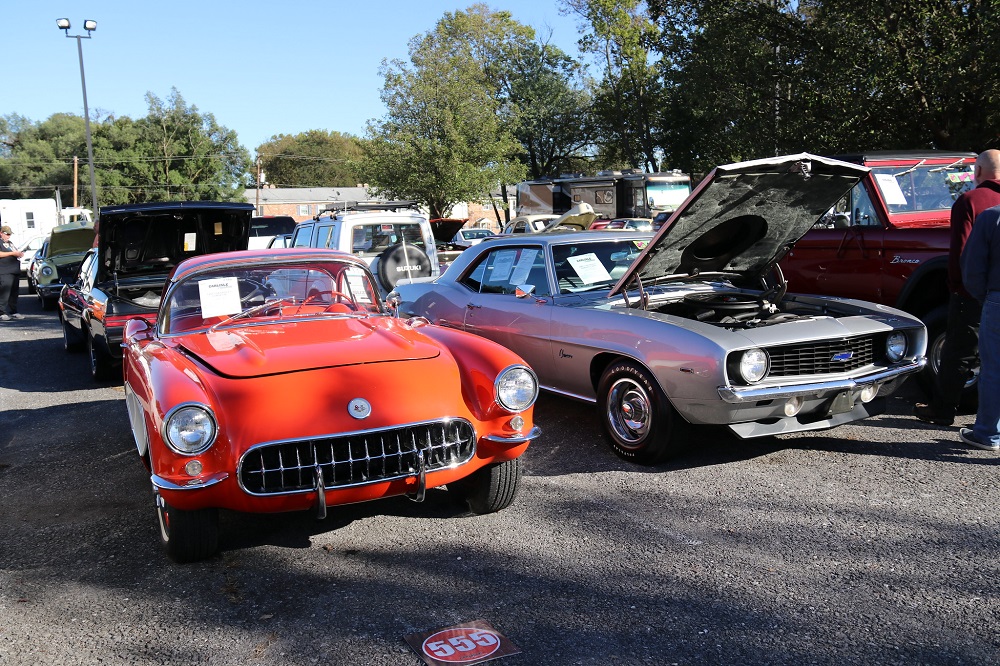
(262, 68)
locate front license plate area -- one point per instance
(842, 403)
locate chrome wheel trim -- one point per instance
(629, 412)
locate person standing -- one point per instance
(981, 276)
(10, 276)
(958, 354)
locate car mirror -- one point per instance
(524, 290)
(392, 301)
(138, 329)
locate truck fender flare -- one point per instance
(934, 264)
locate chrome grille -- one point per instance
(817, 358)
(356, 458)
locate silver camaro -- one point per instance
(692, 325)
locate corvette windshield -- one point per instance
(264, 293)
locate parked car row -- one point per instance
(663, 331)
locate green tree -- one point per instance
(315, 158)
(541, 93)
(36, 158)
(629, 98)
(441, 141)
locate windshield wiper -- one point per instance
(910, 170)
(950, 166)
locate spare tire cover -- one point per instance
(402, 261)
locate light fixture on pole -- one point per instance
(89, 26)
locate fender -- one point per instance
(932, 265)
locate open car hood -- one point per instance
(444, 229)
(73, 238)
(743, 217)
(579, 218)
(253, 351)
(152, 238)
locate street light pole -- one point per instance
(89, 26)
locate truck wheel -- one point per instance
(936, 322)
(402, 261)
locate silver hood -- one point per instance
(743, 217)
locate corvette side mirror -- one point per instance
(392, 301)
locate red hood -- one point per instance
(253, 351)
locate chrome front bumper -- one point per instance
(747, 394)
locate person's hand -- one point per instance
(19, 254)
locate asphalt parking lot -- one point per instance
(870, 544)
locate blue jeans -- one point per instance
(987, 428)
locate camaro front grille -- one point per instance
(821, 357)
(356, 458)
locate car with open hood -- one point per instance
(691, 325)
(123, 275)
(57, 263)
(277, 380)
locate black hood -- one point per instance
(743, 217)
(152, 238)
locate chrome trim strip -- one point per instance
(160, 482)
(514, 439)
(740, 394)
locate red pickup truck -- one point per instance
(887, 240)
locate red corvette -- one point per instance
(279, 381)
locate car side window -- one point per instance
(503, 270)
(863, 212)
(323, 234)
(302, 236)
(87, 270)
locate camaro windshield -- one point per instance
(264, 293)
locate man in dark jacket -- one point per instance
(960, 350)
(981, 276)
(10, 276)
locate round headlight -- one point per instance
(753, 365)
(46, 271)
(895, 346)
(516, 388)
(189, 429)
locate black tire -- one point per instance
(639, 422)
(491, 488)
(393, 263)
(71, 338)
(102, 367)
(936, 322)
(187, 536)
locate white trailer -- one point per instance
(29, 218)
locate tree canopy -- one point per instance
(316, 158)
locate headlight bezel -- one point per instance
(764, 362)
(896, 357)
(498, 389)
(176, 413)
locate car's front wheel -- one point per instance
(639, 422)
(491, 488)
(187, 536)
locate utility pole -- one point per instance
(257, 204)
(76, 178)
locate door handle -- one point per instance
(471, 306)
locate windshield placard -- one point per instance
(219, 297)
